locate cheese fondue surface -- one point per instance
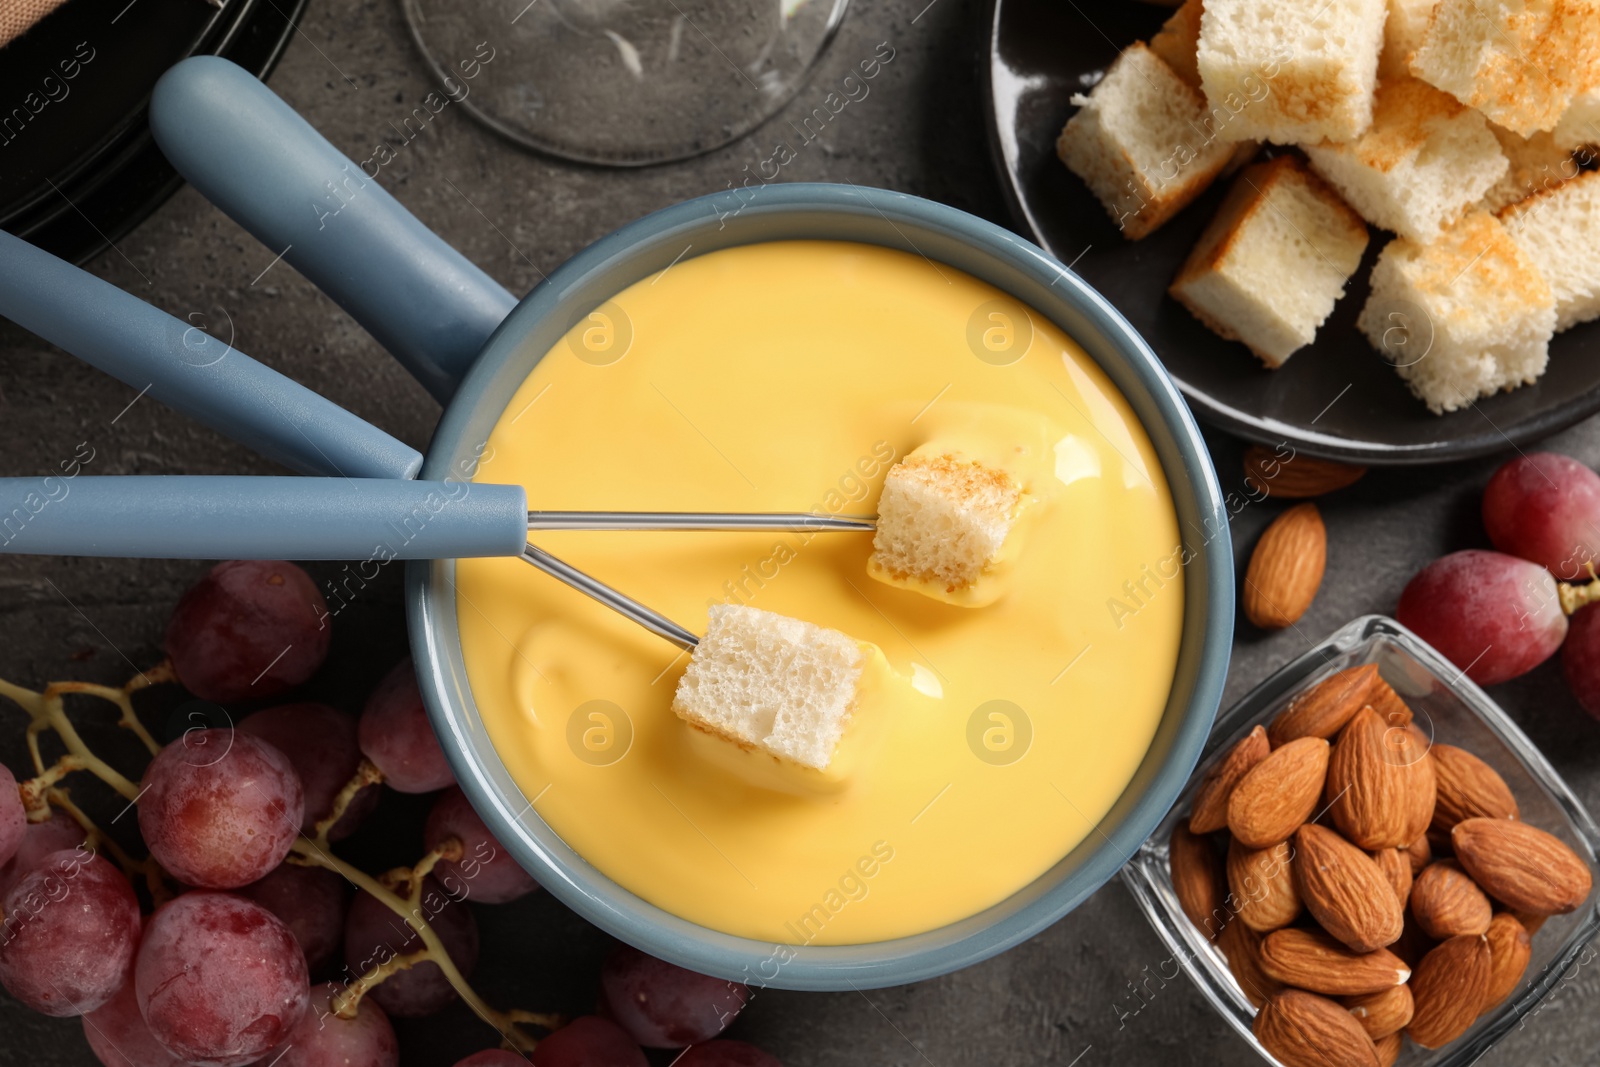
(789, 377)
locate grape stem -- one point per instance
(34, 791)
(147, 869)
(366, 774)
(47, 712)
(348, 999)
(433, 950)
(122, 699)
(1574, 596)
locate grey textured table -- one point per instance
(1090, 990)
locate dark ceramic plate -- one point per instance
(1337, 398)
(77, 166)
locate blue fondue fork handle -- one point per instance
(252, 156)
(233, 517)
(191, 370)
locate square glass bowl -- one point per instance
(1452, 710)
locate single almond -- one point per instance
(1296, 477)
(1242, 948)
(1383, 1013)
(1510, 947)
(1388, 1049)
(1389, 705)
(1197, 879)
(1209, 811)
(1303, 1030)
(1530, 922)
(1419, 853)
(1322, 710)
(1279, 793)
(1468, 788)
(1261, 885)
(1314, 960)
(1446, 902)
(1448, 989)
(1344, 890)
(1285, 569)
(1413, 943)
(1396, 868)
(1521, 866)
(1380, 786)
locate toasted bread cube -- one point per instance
(943, 520)
(1463, 316)
(1538, 164)
(1289, 72)
(780, 685)
(1271, 265)
(1580, 126)
(1178, 42)
(1424, 162)
(1520, 62)
(1244, 153)
(1402, 35)
(1139, 140)
(1560, 231)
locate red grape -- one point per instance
(726, 1054)
(71, 929)
(321, 745)
(310, 902)
(397, 737)
(118, 1036)
(494, 1057)
(1545, 507)
(373, 934)
(486, 872)
(1495, 616)
(13, 816)
(663, 1005)
(219, 808)
(324, 1040)
(249, 629)
(220, 979)
(39, 840)
(588, 1041)
(1580, 658)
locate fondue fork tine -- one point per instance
(625, 605)
(621, 603)
(698, 520)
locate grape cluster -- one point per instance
(241, 818)
(1497, 615)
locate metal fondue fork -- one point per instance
(233, 517)
(625, 605)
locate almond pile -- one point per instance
(1364, 885)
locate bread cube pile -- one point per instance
(1467, 129)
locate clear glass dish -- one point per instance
(1452, 710)
(633, 82)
